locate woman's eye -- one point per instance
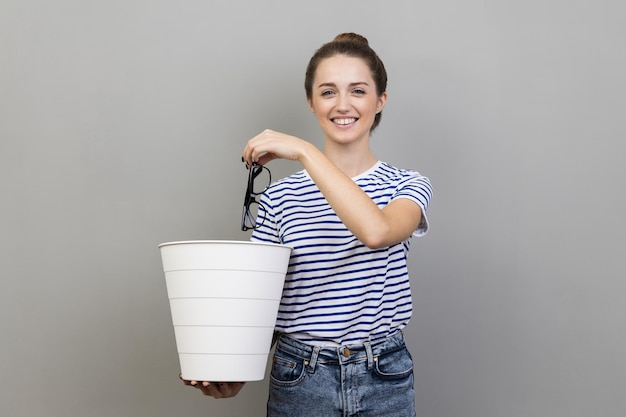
(327, 93)
(359, 91)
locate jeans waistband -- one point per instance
(368, 351)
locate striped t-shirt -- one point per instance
(337, 290)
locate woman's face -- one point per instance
(344, 99)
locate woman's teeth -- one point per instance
(345, 121)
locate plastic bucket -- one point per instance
(224, 298)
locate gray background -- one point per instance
(121, 126)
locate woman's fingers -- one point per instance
(215, 389)
(220, 389)
(269, 145)
(254, 150)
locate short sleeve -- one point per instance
(417, 188)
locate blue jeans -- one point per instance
(369, 380)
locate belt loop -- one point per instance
(370, 354)
(313, 361)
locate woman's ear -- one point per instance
(382, 100)
(310, 103)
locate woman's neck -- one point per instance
(352, 161)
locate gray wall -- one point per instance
(121, 125)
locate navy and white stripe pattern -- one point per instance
(337, 290)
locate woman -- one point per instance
(349, 218)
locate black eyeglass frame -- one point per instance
(252, 197)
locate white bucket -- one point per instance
(224, 298)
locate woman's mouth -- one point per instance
(344, 121)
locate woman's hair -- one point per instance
(352, 45)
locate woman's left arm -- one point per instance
(373, 226)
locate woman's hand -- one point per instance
(269, 145)
(215, 389)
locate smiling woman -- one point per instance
(345, 109)
(348, 218)
(351, 45)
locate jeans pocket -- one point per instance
(287, 370)
(396, 364)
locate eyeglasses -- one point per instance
(251, 203)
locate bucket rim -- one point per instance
(222, 242)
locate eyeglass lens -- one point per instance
(260, 179)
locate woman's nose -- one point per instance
(343, 102)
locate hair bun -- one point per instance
(351, 37)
